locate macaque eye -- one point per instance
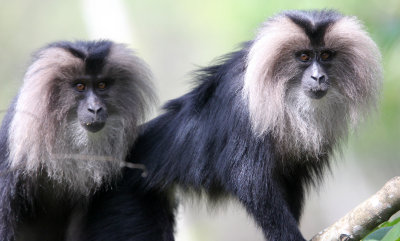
(326, 55)
(102, 85)
(304, 57)
(80, 87)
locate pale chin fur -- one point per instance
(78, 160)
(311, 125)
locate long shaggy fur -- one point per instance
(277, 105)
(46, 135)
(249, 131)
(51, 166)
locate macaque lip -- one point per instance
(316, 94)
(93, 126)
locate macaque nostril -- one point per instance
(322, 79)
(95, 110)
(319, 78)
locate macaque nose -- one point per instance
(95, 109)
(318, 74)
(319, 77)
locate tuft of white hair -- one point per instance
(278, 106)
(46, 139)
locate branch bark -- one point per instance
(366, 216)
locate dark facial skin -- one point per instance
(92, 110)
(315, 81)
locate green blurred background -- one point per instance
(177, 36)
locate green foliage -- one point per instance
(387, 231)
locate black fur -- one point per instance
(93, 54)
(314, 23)
(21, 201)
(134, 215)
(95, 59)
(8, 181)
(34, 208)
(204, 141)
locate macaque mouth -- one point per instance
(94, 126)
(316, 93)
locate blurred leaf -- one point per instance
(390, 223)
(393, 234)
(378, 234)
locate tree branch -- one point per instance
(366, 216)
